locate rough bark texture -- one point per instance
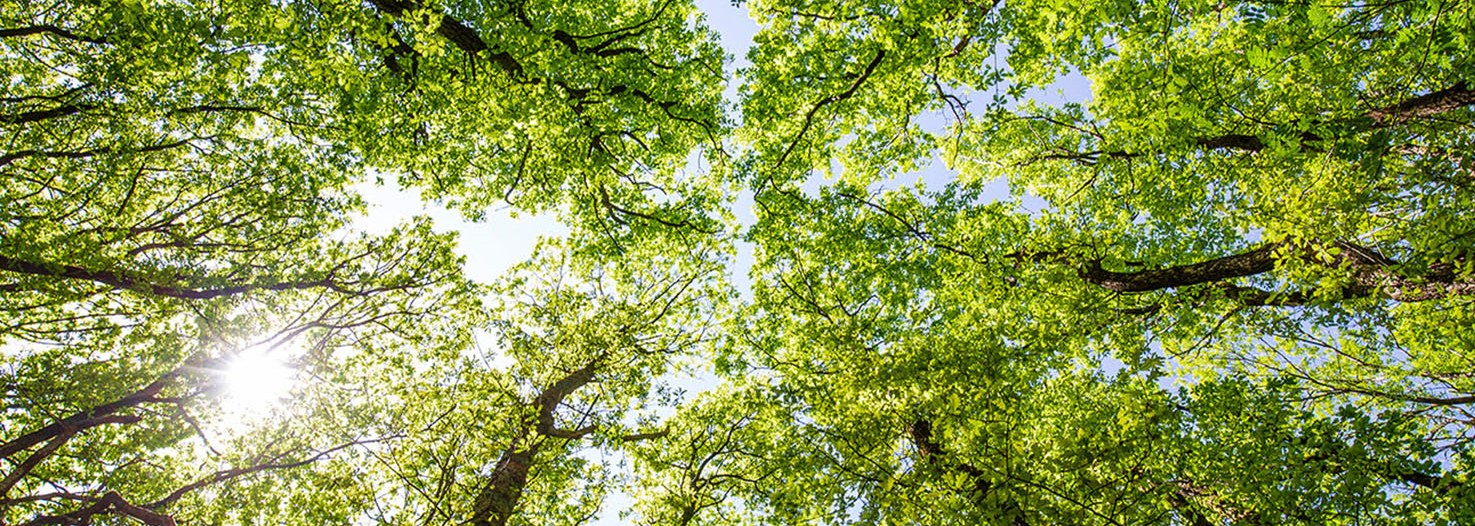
(497, 500)
(1252, 262)
(1424, 106)
(1372, 275)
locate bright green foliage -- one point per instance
(177, 193)
(1227, 310)
(1233, 285)
(570, 378)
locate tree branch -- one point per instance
(122, 281)
(97, 416)
(225, 475)
(1256, 261)
(1421, 107)
(111, 501)
(1424, 106)
(48, 29)
(83, 154)
(41, 115)
(30, 463)
(1372, 274)
(497, 500)
(849, 92)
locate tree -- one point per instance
(1242, 298)
(178, 190)
(1263, 202)
(511, 437)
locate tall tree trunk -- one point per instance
(497, 501)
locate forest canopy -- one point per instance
(1234, 284)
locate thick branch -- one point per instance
(111, 502)
(1256, 261)
(1233, 141)
(1436, 483)
(1372, 274)
(30, 463)
(1181, 501)
(498, 499)
(41, 115)
(496, 502)
(123, 281)
(548, 401)
(48, 29)
(458, 33)
(1442, 281)
(82, 420)
(1424, 106)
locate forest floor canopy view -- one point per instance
(1242, 291)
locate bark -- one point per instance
(1372, 275)
(1439, 282)
(97, 416)
(1436, 483)
(111, 502)
(549, 400)
(123, 281)
(1422, 107)
(1180, 500)
(496, 502)
(30, 463)
(458, 33)
(1253, 297)
(1417, 108)
(1252, 262)
(1232, 142)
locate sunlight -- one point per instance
(256, 380)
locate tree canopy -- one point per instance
(1233, 285)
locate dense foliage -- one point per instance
(1233, 285)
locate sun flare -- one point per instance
(256, 380)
